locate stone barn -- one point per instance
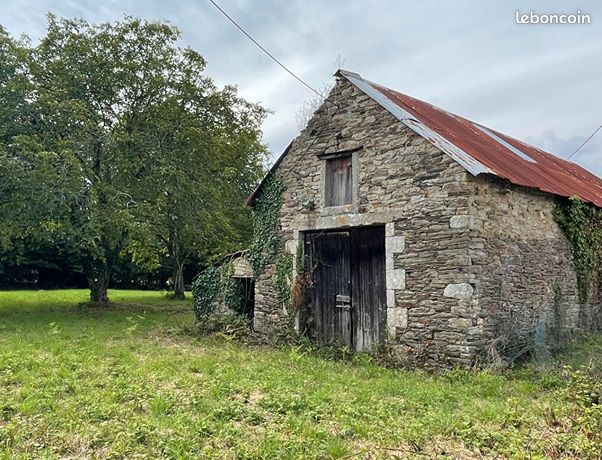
(421, 230)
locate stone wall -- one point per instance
(241, 267)
(403, 181)
(467, 259)
(270, 316)
(522, 268)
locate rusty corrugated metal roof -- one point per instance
(483, 150)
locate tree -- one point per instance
(207, 154)
(14, 106)
(33, 181)
(91, 81)
(110, 142)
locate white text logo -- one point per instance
(535, 18)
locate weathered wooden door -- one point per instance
(328, 258)
(347, 298)
(368, 287)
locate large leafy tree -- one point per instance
(206, 153)
(124, 147)
(13, 112)
(34, 182)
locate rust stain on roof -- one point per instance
(480, 150)
(509, 158)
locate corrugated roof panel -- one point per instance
(509, 146)
(484, 150)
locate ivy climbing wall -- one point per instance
(220, 288)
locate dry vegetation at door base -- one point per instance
(127, 382)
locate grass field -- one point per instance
(126, 382)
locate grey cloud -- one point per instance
(467, 56)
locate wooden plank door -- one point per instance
(368, 287)
(329, 263)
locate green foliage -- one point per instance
(234, 294)
(126, 382)
(206, 156)
(227, 326)
(582, 224)
(267, 246)
(284, 278)
(217, 284)
(114, 143)
(584, 392)
(214, 285)
(266, 220)
(205, 291)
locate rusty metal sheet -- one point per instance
(410, 120)
(483, 150)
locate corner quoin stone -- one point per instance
(395, 244)
(460, 291)
(396, 279)
(397, 317)
(391, 303)
(390, 229)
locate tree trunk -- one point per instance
(178, 280)
(98, 281)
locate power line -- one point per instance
(585, 142)
(322, 97)
(264, 50)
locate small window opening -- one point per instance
(338, 181)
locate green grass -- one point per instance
(124, 382)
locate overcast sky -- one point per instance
(539, 83)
